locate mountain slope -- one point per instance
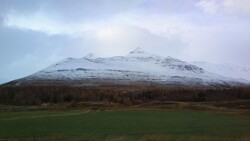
(226, 69)
(137, 68)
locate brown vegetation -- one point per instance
(128, 96)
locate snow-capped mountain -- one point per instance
(137, 68)
(229, 70)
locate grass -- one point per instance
(124, 125)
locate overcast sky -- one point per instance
(37, 33)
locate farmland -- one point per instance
(123, 124)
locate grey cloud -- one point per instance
(25, 7)
(84, 10)
(69, 10)
(226, 44)
(81, 9)
(168, 6)
(24, 52)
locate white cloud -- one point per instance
(209, 6)
(40, 21)
(238, 7)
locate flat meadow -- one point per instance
(124, 124)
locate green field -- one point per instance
(123, 125)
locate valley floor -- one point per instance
(123, 124)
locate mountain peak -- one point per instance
(90, 56)
(139, 52)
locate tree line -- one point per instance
(36, 95)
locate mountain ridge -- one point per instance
(137, 68)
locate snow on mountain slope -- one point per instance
(137, 66)
(229, 70)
